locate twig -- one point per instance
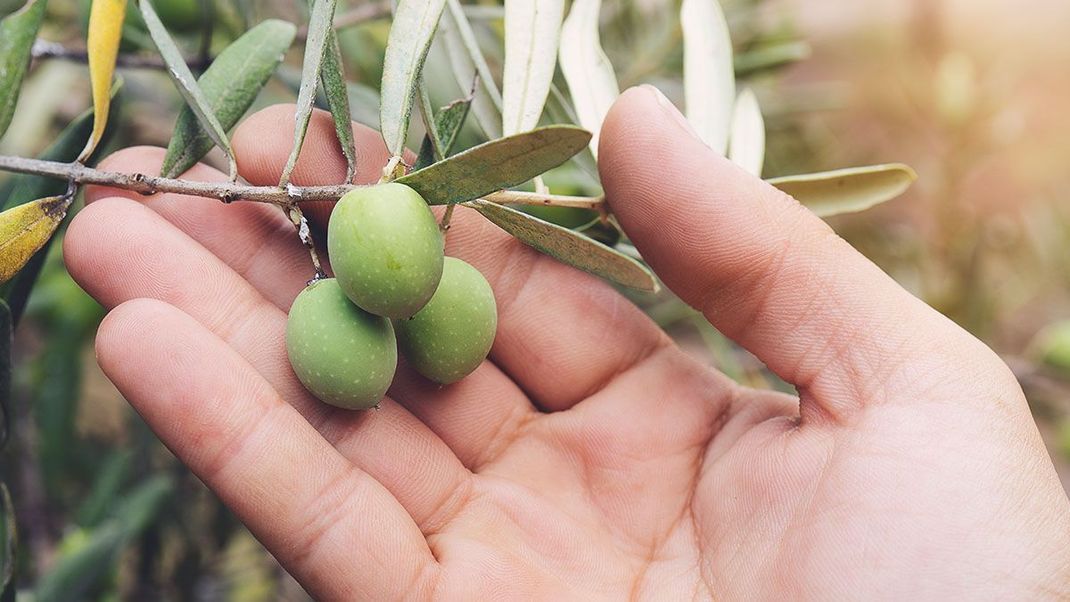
(361, 14)
(144, 184)
(43, 49)
(229, 192)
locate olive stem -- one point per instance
(444, 225)
(44, 49)
(297, 218)
(228, 192)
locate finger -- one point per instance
(317, 513)
(256, 240)
(763, 269)
(119, 250)
(267, 135)
(562, 335)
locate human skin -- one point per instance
(589, 457)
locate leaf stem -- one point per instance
(43, 49)
(518, 197)
(297, 218)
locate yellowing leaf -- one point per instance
(105, 32)
(25, 229)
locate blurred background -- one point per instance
(971, 93)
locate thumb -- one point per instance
(768, 273)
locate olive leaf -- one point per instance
(415, 22)
(532, 34)
(709, 73)
(187, 86)
(587, 70)
(333, 80)
(230, 85)
(497, 164)
(105, 31)
(848, 190)
(17, 34)
(94, 552)
(23, 187)
(448, 124)
(568, 246)
(25, 229)
(320, 24)
(747, 145)
(468, 64)
(8, 538)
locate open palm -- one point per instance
(589, 457)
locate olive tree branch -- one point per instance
(228, 192)
(43, 49)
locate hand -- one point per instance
(589, 457)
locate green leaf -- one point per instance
(568, 246)
(8, 538)
(410, 37)
(532, 33)
(1052, 346)
(709, 74)
(590, 76)
(469, 65)
(90, 555)
(7, 335)
(497, 164)
(106, 487)
(320, 24)
(186, 83)
(448, 124)
(848, 190)
(17, 34)
(333, 80)
(230, 86)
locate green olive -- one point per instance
(451, 336)
(342, 354)
(385, 249)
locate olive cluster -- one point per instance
(393, 288)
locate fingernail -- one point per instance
(671, 111)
